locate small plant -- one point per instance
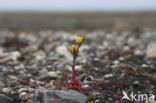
(74, 50)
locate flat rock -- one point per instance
(5, 99)
(59, 96)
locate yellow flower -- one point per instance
(71, 49)
(74, 48)
(79, 40)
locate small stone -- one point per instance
(110, 99)
(60, 67)
(13, 77)
(5, 69)
(77, 67)
(15, 55)
(126, 48)
(39, 55)
(1, 84)
(53, 74)
(116, 62)
(96, 59)
(7, 91)
(151, 54)
(2, 54)
(22, 90)
(62, 50)
(44, 71)
(144, 65)
(53, 58)
(31, 48)
(24, 96)
(97, 101)
(85, 86)
(35, 72)
(136, 82)
(151, 50)
(121, 58)
(105, 44)
(108, 75)
(45, 75)
(138, 52)
(19, 67)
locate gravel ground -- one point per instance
(120, 60)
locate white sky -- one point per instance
(77, 5)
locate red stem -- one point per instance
(73, 69)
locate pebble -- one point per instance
(151, 50)
(53, 74)
(116, 62)
(144, 65)
(22, 90)
(62, 50)
(108, 75)
(60, 67)
(44, 71)
(19, 67)
(13, 77)
(53, 58)
(31, 48)
(97, 101)
(3, 54)
(138, 53)
(136, 82)
(39, 55)
(24, 96)
(45, 75)
(7, 91)
(77, 67)
(15, 55)
(4, 69)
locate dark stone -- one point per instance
(5, 99)
(59, 96)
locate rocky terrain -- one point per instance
(35, 66)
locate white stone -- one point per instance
(77, 67)
(138, 52)
(43, 72)
(6, 90)
(108, 75)
(116, 62)
(53, 74)
(62, 50)
(15, 55)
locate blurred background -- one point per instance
(76, 14)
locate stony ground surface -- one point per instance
(39, 58)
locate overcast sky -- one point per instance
(77, 5)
